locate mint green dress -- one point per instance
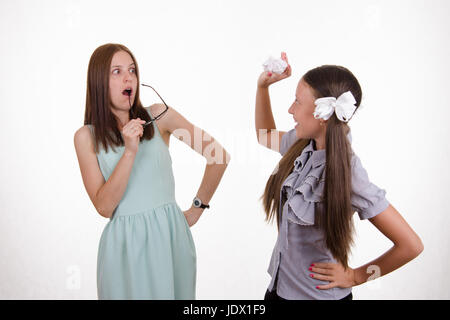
(146, 250)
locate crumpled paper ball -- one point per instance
(275, 65)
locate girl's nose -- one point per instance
(128, 77)
(290, 110)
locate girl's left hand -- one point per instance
(334, 273)
(192, 215)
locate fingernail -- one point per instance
(269, 74)
(312, 264)
(317, 287)
(310, 269)
(311, 275)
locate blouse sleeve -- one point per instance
(367, 199)
(287, 140)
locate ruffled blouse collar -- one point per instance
(318, 157)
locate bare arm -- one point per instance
(266, 130)
(216, 156)
(105, 196)
(407, 245)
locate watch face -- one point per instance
(197, 203)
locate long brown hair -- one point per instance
(334, 214)
(98, 102)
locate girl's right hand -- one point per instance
(267, 78)
(131, 134)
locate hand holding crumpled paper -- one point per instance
(275, 65)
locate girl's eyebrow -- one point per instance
(121, 66)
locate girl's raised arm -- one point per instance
(266, 131)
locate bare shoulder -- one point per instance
(83, 138)
(166, 122)
(156, 109)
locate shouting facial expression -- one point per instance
(302, 109)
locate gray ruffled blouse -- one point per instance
(299, 243)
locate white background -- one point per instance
(204, 58)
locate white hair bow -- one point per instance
(344, 106)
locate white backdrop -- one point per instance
(204, 58)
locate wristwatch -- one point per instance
(199, 204)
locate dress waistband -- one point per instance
(143, 211)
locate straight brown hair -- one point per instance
(334, 214)
(98, 101)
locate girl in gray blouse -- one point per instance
(317, 186)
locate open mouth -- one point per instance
(127, 92)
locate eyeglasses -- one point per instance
(162, 113)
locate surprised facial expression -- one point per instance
(122, 81)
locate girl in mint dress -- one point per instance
(146, 250)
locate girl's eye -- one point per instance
(132, 70)
(115, 71)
